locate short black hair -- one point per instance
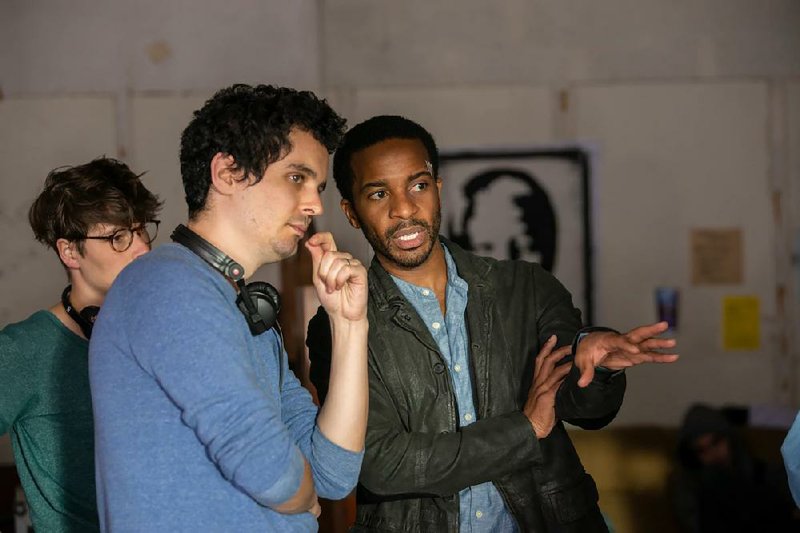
(371, 132)
(75, 198)
(252, 124)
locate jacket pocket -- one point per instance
(572, 502)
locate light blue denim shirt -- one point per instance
(791, 458)
(482, 509)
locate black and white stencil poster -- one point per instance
(527, 204)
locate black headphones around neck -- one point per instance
(85, 318)
(258, 301)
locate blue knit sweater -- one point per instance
(193, 431)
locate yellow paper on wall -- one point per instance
(741, 326)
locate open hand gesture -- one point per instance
(616, 351)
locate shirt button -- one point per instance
(457, 368)
(436, 325)
(478, 514)
(425, 292)
(467, 417)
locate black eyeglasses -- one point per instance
(122, 239)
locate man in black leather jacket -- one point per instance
(508, 463)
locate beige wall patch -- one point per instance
(716, 256)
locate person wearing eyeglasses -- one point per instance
(97, 217)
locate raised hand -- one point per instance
(547, 377)
(340, 279)
(616, 351)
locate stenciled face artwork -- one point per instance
(396, 201)
(508, 215)
(276, 212)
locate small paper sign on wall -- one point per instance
(716, 256)
(741, 325)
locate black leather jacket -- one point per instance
(418, 457)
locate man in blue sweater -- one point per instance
(199, 423)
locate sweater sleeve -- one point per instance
(334, 469)
(185, 332)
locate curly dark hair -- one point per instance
(371, 132)
(251, 124)
(104, 191)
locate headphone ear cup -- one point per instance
(267, 303)
(258, 301)
(89, 313)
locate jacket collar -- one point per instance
(384, 293)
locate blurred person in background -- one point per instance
(719, 486)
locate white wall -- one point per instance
(674, 157)
(36, 135)
(173, 45)
(470, 42)
(679, 102)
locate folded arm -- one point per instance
(333, 469)
(398, 461)
(588, 407)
